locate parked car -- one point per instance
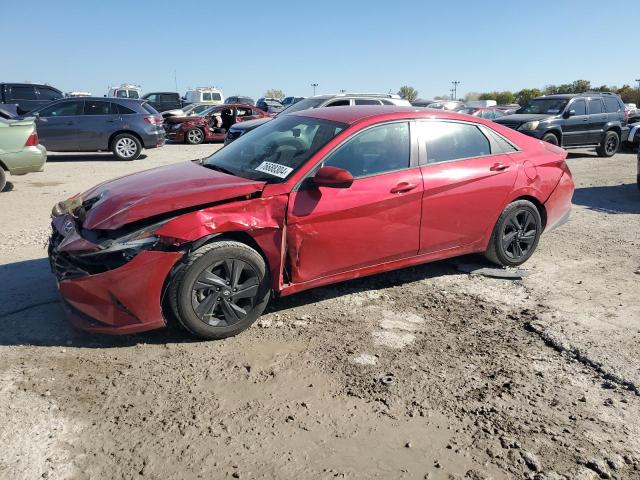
(638, 170)
(509, 108)
(212, 125)
(126, 90)
(633, 140)
(633, 113)
(20, 149)
(329, 100)
(210, 95)
(452, 105)
(269, 105)
(189, 110)
(163, 101)
(591, 119)
(28, 96)
(313, 198)
(78, 94)
(287, 101)
(490, 113)
(95, 124)
(240, 99)
(421, 102)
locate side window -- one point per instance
(63, 109)
(380, 149)
(387, 102)
(23, 93)
(498, 114)
(92, 107)
(46, 93)
(338, 103)
(595, 106)
(365, 101)
(122, 110)
(579, 106)
(611, 105)
(445, 141)
(168, 98)
(153, 97)
(206, 96)
(256, 113)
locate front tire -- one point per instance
(551, 138)
(194, 136)
(221, 291)
(609, 145)
(515, 235)
(126, 147)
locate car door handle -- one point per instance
(498, 167)
(403, 187)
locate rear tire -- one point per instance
(515, 235)
(3, 179)
(126, 147)
(194, 136)
(551, 138)
(221, 291)
(609, 145)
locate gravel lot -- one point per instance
(425, 372)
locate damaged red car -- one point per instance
(212, 125)
(309, 199)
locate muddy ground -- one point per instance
(426, 372)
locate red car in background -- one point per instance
(212, 125)
(311, 198)
(489, 113)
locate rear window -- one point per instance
(23, 93)
(147, 107)
(216, 96)
(93, 107)
(206, 96)
(612, 105)
(122, 110)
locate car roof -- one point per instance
(354, 114)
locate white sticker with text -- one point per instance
(274, 169)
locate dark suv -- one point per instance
(163, 101)
(95, 124)
(590, 119)
(28, 96)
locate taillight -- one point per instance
(153, 120)
(33, 140)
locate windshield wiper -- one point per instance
(219, 169)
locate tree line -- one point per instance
(626, 92)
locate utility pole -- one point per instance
(314, 85)
(175, 78)
(455, 84)
(451, 90)
(638, 80)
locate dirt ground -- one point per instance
(426, 372)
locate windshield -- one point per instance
(276, 149)
(544, 106)
(303, 105)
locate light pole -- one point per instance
(638, 80)
(455, 84)
(314, 85)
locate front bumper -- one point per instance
(27, 160)
(120, 301)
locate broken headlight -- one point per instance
(130, 244)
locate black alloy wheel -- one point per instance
(609, 145)
(515, 235)
(224, 293)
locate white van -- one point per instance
(125, 91)
(208, 95)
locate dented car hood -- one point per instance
(124, 200)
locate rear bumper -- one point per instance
(27, 160)
(558, 205)
(120, 301)
(154, 139)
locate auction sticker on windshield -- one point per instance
(274, 169)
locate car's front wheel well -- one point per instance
(3, 166)
(121, 132)
(555, 132)
(616, 129)
(539, 206)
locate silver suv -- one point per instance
(333, 100)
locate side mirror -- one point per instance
(333, 177)
(569, 113)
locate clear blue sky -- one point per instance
(249, 46)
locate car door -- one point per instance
(597, 119)
(375, 220)
(575, 128)
(100, 120)
(57, 125)
(467, 176)
(170, 102)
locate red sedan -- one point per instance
(311, 198)
(212, 125)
